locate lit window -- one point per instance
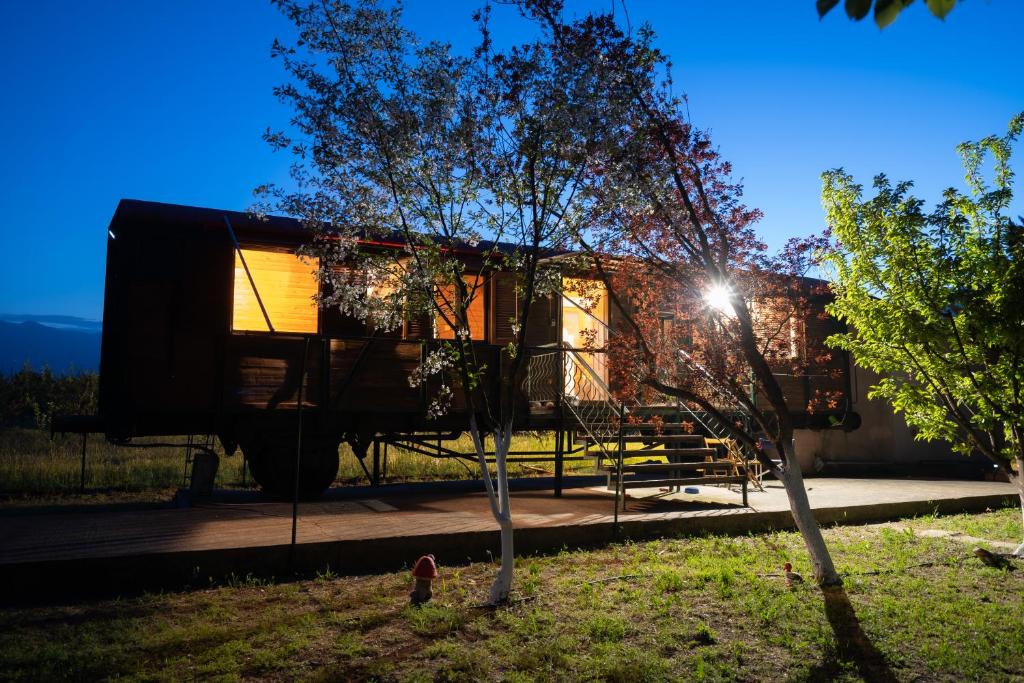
(474, 312)
(584, 326)
(287, 287)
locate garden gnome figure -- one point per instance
(423, 573)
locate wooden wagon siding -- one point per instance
(171, 364)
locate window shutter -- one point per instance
(418, 327)
(505, 305)
(542, 322)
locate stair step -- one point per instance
(682, 481)
(678, 440)
(680, 454)
(669, 466)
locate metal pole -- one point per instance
(375, 480)
(298, 458)
(746, 476)
(188, 458)
(559, 460)
(618, 471)
(81, 486)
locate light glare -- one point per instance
(719, 297)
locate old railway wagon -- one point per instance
(187, 350)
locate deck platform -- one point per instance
(45, 555)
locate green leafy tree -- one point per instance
(935, 301)
(886, 11)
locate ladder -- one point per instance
(194, 444)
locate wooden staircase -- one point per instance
(617, 435)
(691, 459)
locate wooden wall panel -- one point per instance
(475, 313)
(417, 327)
(264, 372)
(542, 322)
(380, 382)
(167, 323)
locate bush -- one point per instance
(30, 398)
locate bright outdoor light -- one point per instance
(719, 297)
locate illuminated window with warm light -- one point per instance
(584, 325)
(474, 313)
(287, 286)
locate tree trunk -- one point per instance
(502, 586)
(498, 498)
(793, 481)
(1019, 481)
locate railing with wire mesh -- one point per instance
(565, 375)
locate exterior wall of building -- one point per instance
(883, 438)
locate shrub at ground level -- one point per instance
(30, 398)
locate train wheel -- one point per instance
(271, 457)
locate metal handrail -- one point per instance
(736, 449)
(598, 399)
(709, 378)
(596, 378)
(593, 410)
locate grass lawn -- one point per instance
(712, 608)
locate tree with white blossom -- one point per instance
(398, 139)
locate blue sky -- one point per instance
(167, 100)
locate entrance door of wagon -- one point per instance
(584, 326)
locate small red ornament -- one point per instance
(425, 568)
(423, 573)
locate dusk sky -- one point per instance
(166, 101)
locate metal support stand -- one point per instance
(185, 470)
(375, 479)
(81, 485)
(298, 459)
(618, 472)
(559, 461)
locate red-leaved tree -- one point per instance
(710, 317)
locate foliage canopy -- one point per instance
(934, 298)
(885, 11)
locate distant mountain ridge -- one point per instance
(71, 322)
(61, 343)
